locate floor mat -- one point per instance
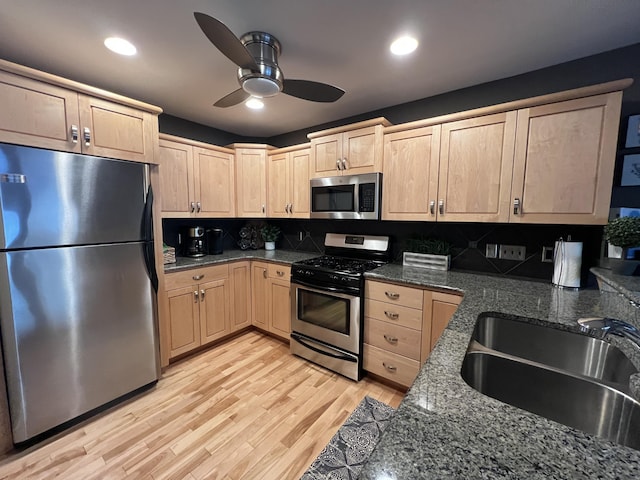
(352, 444)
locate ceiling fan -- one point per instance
(256, 54)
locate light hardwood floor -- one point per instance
(246, 409)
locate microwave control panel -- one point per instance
(367, 197)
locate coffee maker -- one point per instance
(193, 242)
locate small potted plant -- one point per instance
(623, 232)
(427, 253)
(270, 234)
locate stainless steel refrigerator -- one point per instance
(77, 278)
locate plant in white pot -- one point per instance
(623, 232)
(427, 253)
(270, 234)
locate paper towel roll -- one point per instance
(567, 260)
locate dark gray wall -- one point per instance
(196, 131)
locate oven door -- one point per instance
(327, 315)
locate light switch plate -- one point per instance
(491, 250)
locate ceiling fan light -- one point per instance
(254, 103)
(260, 87)
(120, 46)
(404, 45)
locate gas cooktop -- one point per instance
(351, 266)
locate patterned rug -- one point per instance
(350, 447)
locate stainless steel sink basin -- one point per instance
(572, 352)
(568, 377)
(575, 401)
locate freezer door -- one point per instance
(78, 331)
(54, 198)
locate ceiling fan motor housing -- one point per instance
(265, 48)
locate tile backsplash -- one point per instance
(468, 239)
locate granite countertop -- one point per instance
(626, 285)
(446, 429)
(279, 256)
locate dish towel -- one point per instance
(350, 447)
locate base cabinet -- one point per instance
(401, 326)
(271, 298)
(240, 289)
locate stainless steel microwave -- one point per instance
(348, 197)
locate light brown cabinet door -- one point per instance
(184, 320)
(214, 310)
(240, 288)
(280, 308)
(176, 178)
(299, 183)
(410, 174)
(476, 164)
(214, 183)
(112, 130)
(38, 114)
(362, 150)
(279, 185)
(259, 295)
(325, 153)
(564, 161)
(251, 182)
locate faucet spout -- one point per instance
(611, 326)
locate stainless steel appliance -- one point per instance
(77, 280)
(327, 304)
(194, 239)
(214, 241)
(349, 197)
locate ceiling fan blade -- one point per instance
(314, 91)
(225, 41)
(234, 98)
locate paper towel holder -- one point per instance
(567, 264)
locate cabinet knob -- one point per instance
(391, 368)
(392, 295)
(74, 133)
(87, 136)
(391, 315)
(390, 339)
(516, 206)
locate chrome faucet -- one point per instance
(610, 326)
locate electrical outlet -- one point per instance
(473, 244)
(512, 252)
(491, 250)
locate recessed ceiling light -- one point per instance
(120, 46)
(404, 45)
(254, 103)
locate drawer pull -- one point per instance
(392, 295)
(280, 273)
(391, 368)
(198, 277)
(390, 339)
(391, 315)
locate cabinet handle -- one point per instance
(202, 295)
(391, 368)
(87, 136)
(195, 296)
(287, 208)
(193, 207)
(74, 133)
(344, 163)
(198, 277)
(390, 339)
(263, 208)
(432, 207)
(280, 273)
(441, 207)
(291, 208)
(198, 207)
(391, 315)
(516, 206)
(338, 165)
(264, 272)
(392, 295)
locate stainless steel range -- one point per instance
(328, 301)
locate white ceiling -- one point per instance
(341, 42)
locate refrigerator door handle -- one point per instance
(147, 223)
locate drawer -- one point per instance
(194, 276)
(276, 270)
(389, 365)
(393, 338)
(397, 314)
(396, 294)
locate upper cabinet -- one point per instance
(347, 150)
(288, 188)
(547, 159)
(251, 180)
(196, 179)
(43, 110)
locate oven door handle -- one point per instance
(348, 293)
(299, 339)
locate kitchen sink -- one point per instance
(577, 402)
(569, 351)
(568, 377)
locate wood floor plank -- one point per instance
(246, 409)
